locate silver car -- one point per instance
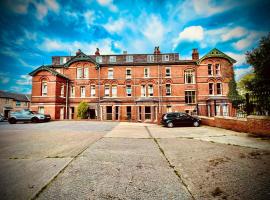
(27, 116)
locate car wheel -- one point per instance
(170, 125)
(196, 124)
(34, 120)
(12, 121)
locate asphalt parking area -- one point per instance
(106, 160)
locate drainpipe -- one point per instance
(67, 94)
(99, 117)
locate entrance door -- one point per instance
(128, 112)
(116, 112)
(62, 113)
(71, 113)
(92, 113)
(147, 113)
(109, 112)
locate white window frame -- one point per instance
(114, 90)
(170, 71)
(107, 90)
(213, 88)
(110, 73)
(112, 59)
(165, 57)
(92, 90)
(85, 72)
(128, 76)
(72, 91)
(150, 90)
(146, 72)
(62, 91)
(129, 58)
(143, 90)
(211, 69)
(83, 91)
(189, 95)
(129, 90)
(150, 58)
(219, 83)
(79, 72)
(168, 91)
(225, 110)
(217, 69)
(44, 88)
(218, 110)
(188, 73)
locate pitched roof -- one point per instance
(80, 57)
(49, 69)
(215, 53)
(15, 96)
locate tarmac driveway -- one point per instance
(105, 160)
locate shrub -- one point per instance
(82, 110)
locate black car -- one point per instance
(179, 119)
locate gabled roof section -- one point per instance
(215, 53)
(49, 69)
(81, 57)
(15, 96)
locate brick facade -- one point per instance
(188, 93)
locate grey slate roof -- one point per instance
(15, 96)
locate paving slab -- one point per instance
(219, 171)
(129, 130)
(118, 168)
(212, 134)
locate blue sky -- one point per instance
(34, 30)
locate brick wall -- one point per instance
(259, 125)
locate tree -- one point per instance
(259, 58)
(245, 84)
(233, 93)
(82, 110)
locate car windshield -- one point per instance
(34, 112)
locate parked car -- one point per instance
(28, 116)
(2, 118)
(179, 119)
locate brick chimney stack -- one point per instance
(97, 52)
(195, 54)
(78, 52)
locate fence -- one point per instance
(251, 104)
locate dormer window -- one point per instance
(112, 59)
(165, 57)
(129, 58)
(99, 59)
(150, 58)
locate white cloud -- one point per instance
(9, 52)
(20, 89)
(4, 79)
(51, 45)
(240, 58)
(236, 32)
(191, 33)
(240, 72)
(24, 80)
(250, 39)
(89, 17)
(115, 26)
(154, 30)
(109, 4)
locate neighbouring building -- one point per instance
(133, 87)
(13, 102)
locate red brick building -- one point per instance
(135, 87)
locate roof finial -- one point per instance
(97, 52)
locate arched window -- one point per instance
(189, 76)
(44, 87)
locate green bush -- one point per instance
(82, 110)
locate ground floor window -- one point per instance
(218, 110)
(169, 109)
(225, 110)
(189, 97)
(147, 112)
(128, 112)
(41, 109)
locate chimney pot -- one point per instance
(97, 52)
